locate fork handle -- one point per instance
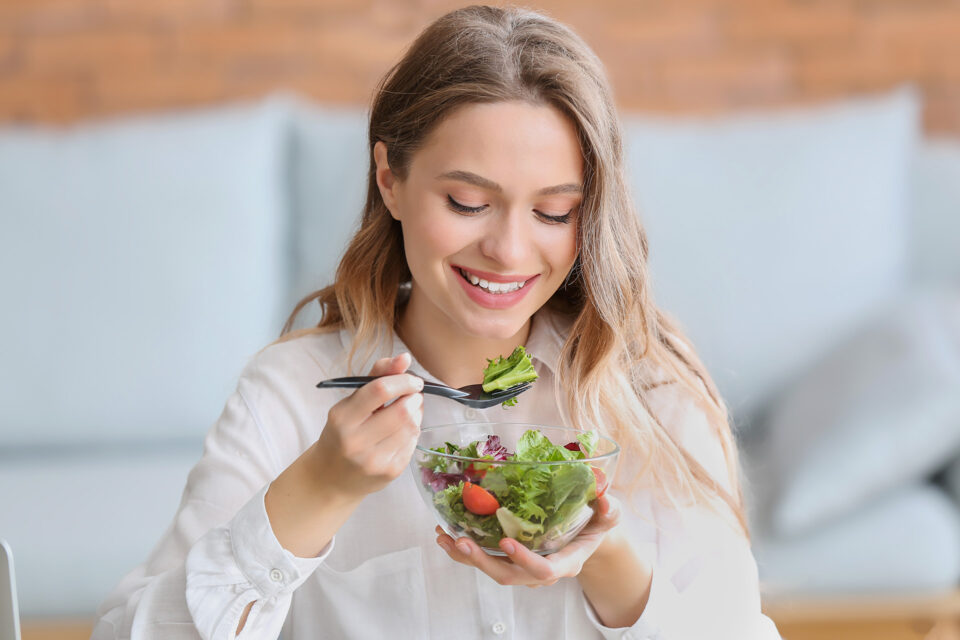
(353, 382)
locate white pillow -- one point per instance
(880, 410)
(771, 232)
(142, 262)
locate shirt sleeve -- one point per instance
(220, 553)
(705, 582)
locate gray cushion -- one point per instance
(80, 520)
(907, 540)
(329, 183)
(142, 262)
(935, 205)
(952, 480)
(881, 410)
(770, 232)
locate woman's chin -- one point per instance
(496, 329)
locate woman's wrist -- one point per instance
(305, 510)
(611, 547)
(616, 581)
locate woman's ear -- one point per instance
(386, 181)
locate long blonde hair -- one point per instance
(620, 346)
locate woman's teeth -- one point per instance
(492, 287)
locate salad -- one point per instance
(503, 373)
(536, 504)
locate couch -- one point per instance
(145, 259)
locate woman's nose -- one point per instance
(506, 239)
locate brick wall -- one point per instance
(65, 60)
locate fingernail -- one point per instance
(508, 547)
(464, 548)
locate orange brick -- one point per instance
(861, 68)
(88, 51)
(726, 78)
(909, 25)
(665, 32)
(300, 7)
(128, 91)
(166, 13)
(333, 84)
(8, 48)
(48, 16)
(231, 41)
(30, 99)
(791, 25)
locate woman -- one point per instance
(496, 215)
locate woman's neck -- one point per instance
(442, 348)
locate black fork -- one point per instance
(471, 395)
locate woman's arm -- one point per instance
(616, 581)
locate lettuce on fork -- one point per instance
(503, 373)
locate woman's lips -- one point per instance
(492, 277)
(493, 300)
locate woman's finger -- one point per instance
(533, 563)
(392, 365)
(366, 400)
(503, 570)
(401, 416)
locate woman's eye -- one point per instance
(564, 219)
(462, 208)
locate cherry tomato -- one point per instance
(473, 472)
(478, 500)
(601, 478)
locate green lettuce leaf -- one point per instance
(504, 373)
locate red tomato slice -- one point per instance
(473, 472)
(478, 500)
(601, 478)
(573, 446)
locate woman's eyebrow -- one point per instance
(485, 183)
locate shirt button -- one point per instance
(471, 414)
(498, 628)
(276, 575)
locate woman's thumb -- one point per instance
(391, 366)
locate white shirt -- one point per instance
(383, 575)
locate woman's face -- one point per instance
(489, 213)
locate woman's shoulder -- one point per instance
(308, 353)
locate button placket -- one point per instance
(496, 606)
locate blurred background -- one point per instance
(175, 174)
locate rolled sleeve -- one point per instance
(243, 562)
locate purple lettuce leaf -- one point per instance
(440, 481)
(492, 447)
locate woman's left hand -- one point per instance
(524, 567)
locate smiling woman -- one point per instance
(497, 216)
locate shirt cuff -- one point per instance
(648, 626)
(261, 559)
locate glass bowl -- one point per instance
(533, 483)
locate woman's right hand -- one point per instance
(365, 445)
(362, 448)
